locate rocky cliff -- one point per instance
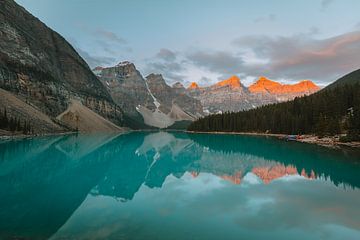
(232, 95)
(283, 92)
(227, 95)
(148, 100)
(40, 67)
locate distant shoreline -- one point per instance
(4, 137)
(7, 137)
(331, 142)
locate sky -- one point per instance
(210, 40)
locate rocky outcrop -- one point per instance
(81, 118)
(168, 96)
(283, 92)
(16, 108)
(149, 100)
(40, 67)
(228, 95)
(126, 86)
(232, 95)
(193, 85)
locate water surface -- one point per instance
(162, 185)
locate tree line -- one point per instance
(13, 124)
(325, 113)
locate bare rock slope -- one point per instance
(15, 107)
(79, 117)
(40, 67)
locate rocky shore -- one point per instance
(332, 142)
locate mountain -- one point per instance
(283, 92)
(40, 68)
(193, 85)
(40, 122)
(148, 101)
(331, 111)
(232, 95)
(352, 78)
(128, 89)
(86, 120)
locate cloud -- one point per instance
(111, 36)
(166, 62)
(301, 56)
(95, 61)
(357, 26)
(268, 18)
(326, 3)
(216, 61)
(166, 54)
(205, 81)
(170, 70)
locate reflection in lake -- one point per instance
(147, 185)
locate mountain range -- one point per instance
(157, 104)
(46, 84)
(232, 95)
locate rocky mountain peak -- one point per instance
(124, 63)
(98, 68)
(309, 84)
(232, 82)
(39, 65)
(193, 85)
(178, 85)
(305, 86)
(263, 85)
(155, 79)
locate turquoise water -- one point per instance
(162, 185)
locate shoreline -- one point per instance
(5, 137)
(330, 142)
(24, 136)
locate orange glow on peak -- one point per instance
(233, 82)
(193, 85)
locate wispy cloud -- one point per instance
(267, 18)
(111, 36)
(301, 56)
(95, 61)
(217, 61)
(326, 3)
(166, 54)
(165, 62)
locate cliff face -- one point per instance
(43, 69)
(168, 96)
(126, 86)
(283, 92)
(232, 95)
(148, 101)
(228, 95)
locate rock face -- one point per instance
(149, 100)
(43, 69)
(39, 122)
(169, 96)
(84, 120)
(126, 86)
(232, 95)
(228, 95)
(283, 92)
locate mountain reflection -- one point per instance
(44, 180)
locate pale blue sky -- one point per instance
(207, 40)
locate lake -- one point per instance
(173, 185)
